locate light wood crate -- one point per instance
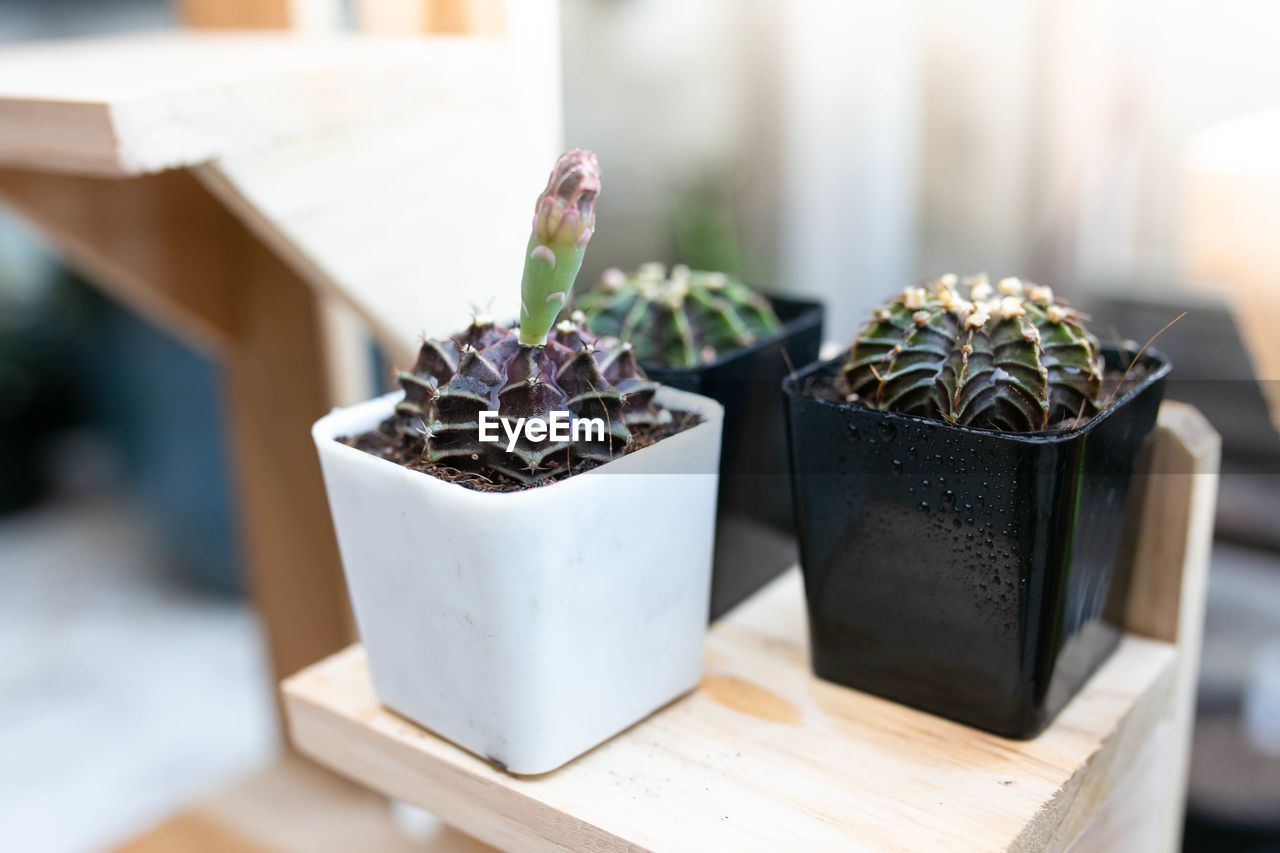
(765, 756)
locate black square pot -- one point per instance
(975, 574)
(755, 486)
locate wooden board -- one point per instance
(332, 185)
(765, 756)
(761, 756)
(275, 811)
(396, 173)
(163, 245)
(128, 105)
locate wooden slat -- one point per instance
(1169, 585)
(761, 756)
(277, 383)
(165, 247)
(155, 243)
(295, 807)
(765, 756)
(395, 173)
(349, 173)
(128, 105)
(388, 215)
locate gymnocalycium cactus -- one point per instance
(1009, 358)
(536, 370)
(688, 319)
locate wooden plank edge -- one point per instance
(489, 812)
(117, 136)
(1074, 805)
(482, 801)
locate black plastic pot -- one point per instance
(974, 574)
(755, 486)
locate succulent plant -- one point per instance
(537, 369)
(684, 320)
(1010, 358)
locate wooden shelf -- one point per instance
(762, 754)
(272, 197)
(127, 105)
(765, 756)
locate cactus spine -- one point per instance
(687, 319)
(1009, 358)
(537, 370)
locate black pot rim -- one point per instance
(1158, 365)
(807, 309)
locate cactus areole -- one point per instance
(1008, 357)
(684, 319)
(468, 396)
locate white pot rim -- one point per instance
(362, 417)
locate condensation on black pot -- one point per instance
(974, 574)
(754, 525)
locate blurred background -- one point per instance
(831, 149)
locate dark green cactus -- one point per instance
(691, 318)
(534, 371)
(1011, 359)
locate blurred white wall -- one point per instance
(811, 106)
(1072, 116)
(873, 143)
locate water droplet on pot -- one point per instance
(948, 498)
(887, 430)
(897, 466)
(911, 453)
(853, 434)
(924, 506)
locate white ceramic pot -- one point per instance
(528, 627)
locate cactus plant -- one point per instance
(537, 369)
(1010, 358)
(687, 319)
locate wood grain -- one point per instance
(294, 806)
(129, 105)
(839, 770)
(765, 756)
(1169, 585)
(155, 243)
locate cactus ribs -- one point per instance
(684, 320)
(1009, 358)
